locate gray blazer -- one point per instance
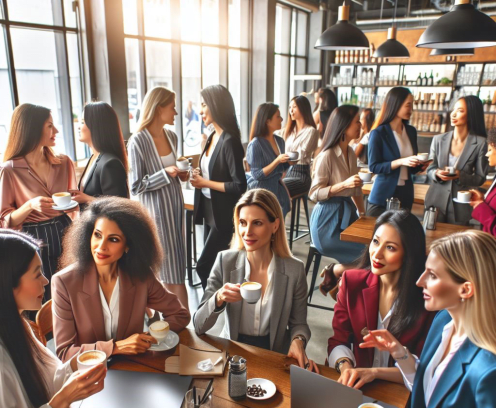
(473, 168)
(289, 305)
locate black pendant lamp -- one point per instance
(343, 35)
(391, 48)
(452, 51)
(462, 27)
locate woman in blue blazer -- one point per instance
(393, 152)
(457, 367)
(266, 154)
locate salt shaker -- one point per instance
(237, 378)
(393, 203)
(430, 218)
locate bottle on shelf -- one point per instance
(487, 103)
(424, 79)
(419, 79)
(493, 103)
(431, 79)
(371, 52)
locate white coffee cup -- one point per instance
(182, 164)
(423, 156)
(370, 405)
(293, 155)
(464, 196)
(159, 330)
(365, 175)
(91, 358)
(62, 199)
(450, 169)
(251, 291)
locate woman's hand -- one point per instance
(411, 161)
(356, 377)
(476, 198)
(282, 158)
(172, 171)
(183, 175)
(384, 341)
(297, 351)
(198, 181)
(353, 181)
(443, 175)
(79, 386)
(80, 197)
(136, 344)
(229, 293)
(44, 205)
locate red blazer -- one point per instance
(358, 307)
(485, 213)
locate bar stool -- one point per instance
(295, 218)
(314, 253)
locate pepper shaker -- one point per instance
(237, 378)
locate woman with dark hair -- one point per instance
(367, 118)
(336, 187)
(111, 257)
(380, 293)
(30, 175)
(301, 136)
(30, 375)
(327, 103)
(266, 154)
(106, 171)
(393, 152)
(464, 149)
(220, 181)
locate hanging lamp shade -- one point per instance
(391, 48)
(452, 51)
(343, 35)
(462, 27)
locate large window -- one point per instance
(40, 64)
(188, 45)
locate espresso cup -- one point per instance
(251, 291)
(423, 156)
(464, 196)
(61, 199)
(182, 163)
(159, 330)
(450, 169)
(293, 155)
(91, 358)
(365, 175)
(370, 405)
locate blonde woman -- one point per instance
(457, 367)
(259, 253)
(154, 181)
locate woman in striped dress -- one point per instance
(266, 154)
(154, 181)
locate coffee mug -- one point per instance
(251, 291)
(182, 163)
(159, 330)
(370, 405)
(293, 155)
(91, 358)
(450, 169)
(423, 156)
(62, 199)
(365, 175)
(464, 196)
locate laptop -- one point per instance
(311, 390)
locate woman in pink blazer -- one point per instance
(110, 258)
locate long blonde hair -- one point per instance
(470, 256)
(267, 201)
(158, 96)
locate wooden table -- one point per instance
(361, 231)
(260, 363)
(419, 192)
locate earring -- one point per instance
(127, 250)
(462, 300)
(273, 238)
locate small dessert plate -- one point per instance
(71, 205)
(266, 385)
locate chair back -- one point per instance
(44, 320)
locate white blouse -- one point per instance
(205, 162)
(110, 311)
(406, 150)
(169, 160)
(304, 142)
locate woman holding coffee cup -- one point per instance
(460, 162)
(154, 180)
(111, 257)
(30, 375)
(266, 154)
(258, 283)
(457, 367)
(31, 174)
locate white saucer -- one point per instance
(367, 182)
(460, 202)
(267, 385)
(67, 207)
(171, 341)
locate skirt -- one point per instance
(298, 179)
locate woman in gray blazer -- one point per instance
(260, 253)
(465, 149)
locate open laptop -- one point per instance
(311, 390)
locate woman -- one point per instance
(464, 149)
(266, 156)
(106, 171)
(30, 375)
(327, 103)
(457, 367)
(111, 256)
(30, 175)
(484, 205)
(359, 145)
(221, 179)
(259, 253)
(154, 180)
(380, 293)
(336, 187)
(301, 136)
(392, 152)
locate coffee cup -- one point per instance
(91, 358)
(159, 330)
(464, 196)
(182, 163)
(251, 291)
(370, 405)
(365, 175)
(423, 156)
(293, 155)
(450, 169)
(61, 199)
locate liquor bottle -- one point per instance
(419, 79)
(431, 79)
(424, 79)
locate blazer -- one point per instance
(289, 307)
(485, 212)
(473, 168)
(468, 380)
(78, 323)
(226, 166)
(383, 149)
(107, 177)
(358, 307)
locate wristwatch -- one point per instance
(302, 338)
(403, 357)
(340, 362)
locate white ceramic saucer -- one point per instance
(71, 205)
(456, 200)
(171, 341)
(267, 385)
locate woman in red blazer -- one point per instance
(381, 292)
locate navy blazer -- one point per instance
(383, 149)
(468, 380)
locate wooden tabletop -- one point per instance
(260, 364)
(189, 199)
(361, 231)
(419, 192)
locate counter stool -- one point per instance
(295, 218)
(314, 253)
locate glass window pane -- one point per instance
(293, 33)
(283, 32)
(210, 62)
(158, 64)
(6, 103)
(133, 81)
(281, 84)
(234, 23)
(210, 20)
(35, 11)
(69, 14)
(157, 18)
(130, 11)
(190, 20)
(301, 40)
(235, 80)
(300, 69)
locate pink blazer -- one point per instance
(485, 213)
(78, 323)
